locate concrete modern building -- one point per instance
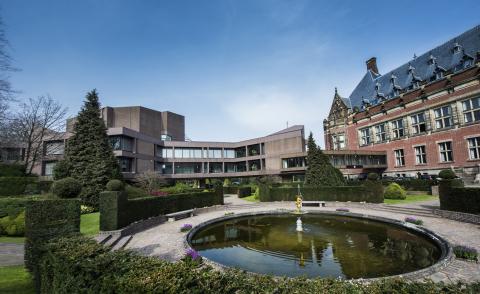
(148, 140)
(424, 114)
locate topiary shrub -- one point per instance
(67, 188)
(13, 226)
(447, 174)
(115, 185)
(61, 170)
(372, 176)
(395, 191)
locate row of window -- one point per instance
(419, 124)
(211, 167)
(183, 152)
(445, 152)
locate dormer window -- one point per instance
(457, 48)
(395, 92)
(467, 63)
(431, 59)
(415, 84)
(377, 87)
(438, 75)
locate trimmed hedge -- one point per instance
(67, 188)
(117, 211)
(10, 186)
(12, 206)
(455, 197)
(372, 192)
(12, 170)
(230, 190)
(45, 220)
(115, 185)
(80, 265)
(244, 192)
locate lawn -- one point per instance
(15, 279)
(90, 223)
(411, 199)
(7, 239)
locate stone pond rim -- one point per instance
(446, 251)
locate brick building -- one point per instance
(424, 114)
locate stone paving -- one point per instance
(167, 242)
(11, 254)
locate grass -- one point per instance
(90, 223)
(15, 279)
(16, 240)
(411, 199)
(251, 198)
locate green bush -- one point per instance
(454, 197)
(80, 265)
(135, 192)
(67, 188)
(61, 170)
(372, 193)
(44, 220)
(244, 192)
(230, 190)
(179, 188)
(10, 186)
(117, 211)
(447, 174)
(372, 176)
(12, 170)
(115, 185)
(395, 191)
(13, 226)
(12, 206)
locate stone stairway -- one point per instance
(403, 210)
(113, 241)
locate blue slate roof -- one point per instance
(450, 56)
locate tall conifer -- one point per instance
(89, 153)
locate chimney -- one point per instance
(372, 65)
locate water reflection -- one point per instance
(329, 246)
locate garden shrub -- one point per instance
(80, 265)
(179, 188)
(372, 176)
(10, 186)
(466, 252)
(447, 174)
(45, 220)
(115, 185)
(12, 206)
(395, 191)
(13, 226)
(67, 188)
(12, 170)
(61, 170)
(135, 192)
(230, 190)
(455, 197)
(244, 192)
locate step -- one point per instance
(404, 211)
(122, 242)
(112, 241)
(102, 238)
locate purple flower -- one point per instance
(186, 227)
(413, 220)
(192, 253)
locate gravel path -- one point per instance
(11, 254)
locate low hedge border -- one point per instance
(10, 186)
(117, 211)
(371, 192)
(244, 192)
(78, 264)
(455, 197)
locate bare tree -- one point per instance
(151, 181)
(37, 120)
(6, 92)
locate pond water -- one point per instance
(329, 246)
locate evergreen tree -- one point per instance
(320, 172)
(89, 153)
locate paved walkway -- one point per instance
(11, 254)
(165, 241)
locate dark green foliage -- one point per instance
(10, 186)
(117, 211)
(395, 191)
(447, 174)
(135, 192)
(367, 193)
(12, 170)
(61, 170)
(89, 152)
(13, 226)
(179, 188)
(466, 252)
(80, 265)
(455, 197)
(372, 176)
(45, 220)
(230, 190)
(12, 206)
(320, 172)
(67, 188)
(115, 185)
(244, 192)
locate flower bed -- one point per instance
(186, 227)
(413, 220)
(466, 252)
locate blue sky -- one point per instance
(234, 69)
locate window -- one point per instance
(420, 155)
(399, 157)
(48, 169)
(293, 162)
(443, 117)
(338, 141)
(166, 137)
(474, 147)
(54, 148)
(471, 110)
(418, 123)
(215, 167)
(397, 128)
(380, 133)
(121, 143)
(365, 136)
(188, 168)
(125, 164)
(214, 153)
(229, 153)
(165, 152)
(446, 153)
(188, 152)
(164, 168)
(14, 154)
